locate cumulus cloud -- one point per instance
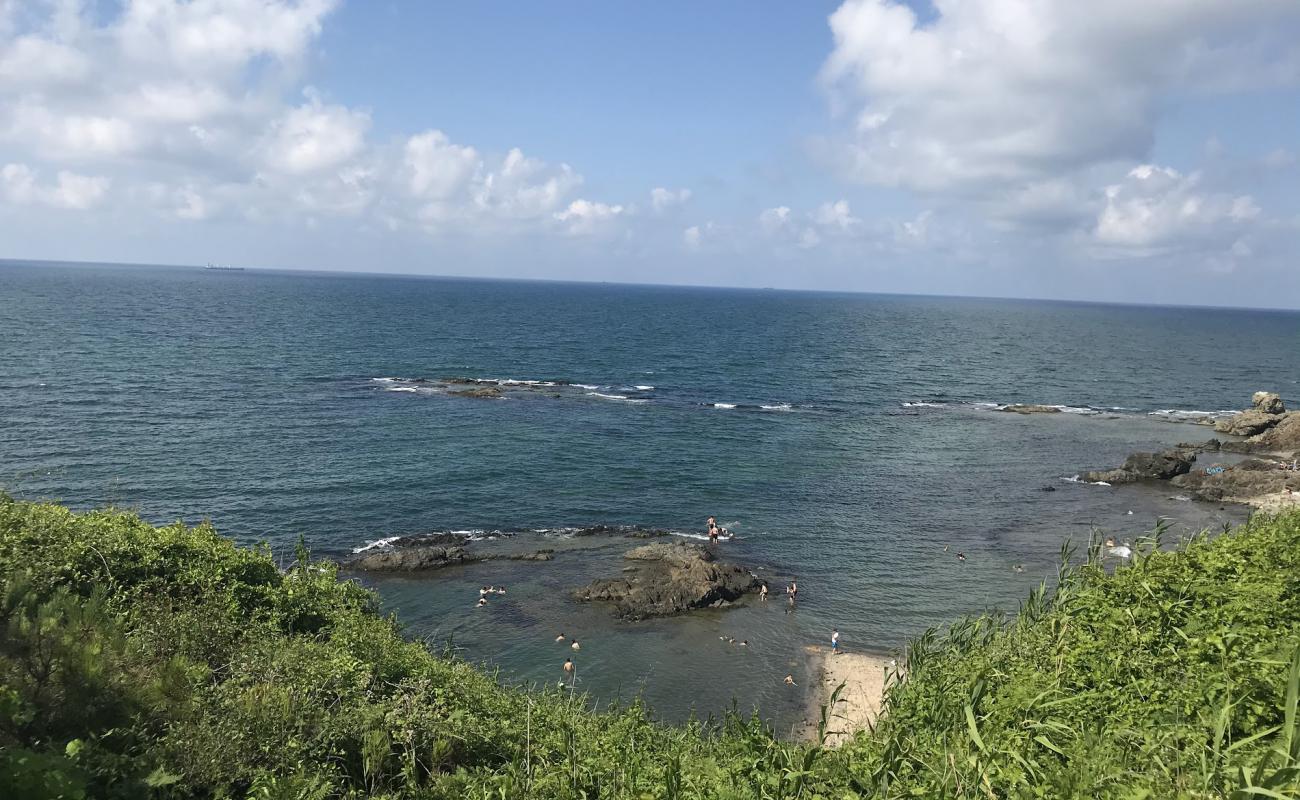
(1156, 208)
(194, 110)
(68, 191)
(586, 217)
(992, 92)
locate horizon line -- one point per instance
(635, 284)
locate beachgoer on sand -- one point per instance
(835, 641)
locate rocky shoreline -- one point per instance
(1268, 479)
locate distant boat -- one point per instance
(224, 269)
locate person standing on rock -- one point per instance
(762, 592)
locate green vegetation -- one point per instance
(165, 662)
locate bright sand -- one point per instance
(863, 676)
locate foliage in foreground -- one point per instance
(138, 661)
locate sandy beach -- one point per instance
(863, 676)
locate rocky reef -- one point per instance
(1269, 480)
(431, 552)
(667, 578)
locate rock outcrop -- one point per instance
(410, 559)
(1146, 467)
(1266, 411)
(1244, 482)
(1030, 408)
(1267, 402)
(670, 578)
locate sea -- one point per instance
(850, 442)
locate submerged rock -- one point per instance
(1147, 466)
(484, 392)
(1030, 408)
(667, 579)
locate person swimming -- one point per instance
(961, 556)
(482, 601)
(789, 681)
(575, 645)
(560, 638)
(568, 666)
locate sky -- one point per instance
(1122, 151)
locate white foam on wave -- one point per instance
(643, 388)
(590, 386)
(620, 397)
(778, 407)
(922, 404)
(1078, 479)
(400, 389)
(723, 405)
(385, 380)
(378, 543)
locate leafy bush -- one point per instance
(141, 661)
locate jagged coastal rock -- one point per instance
(1268, 482)
(1147, 466)
(410, 559)
(1266, 411)
(670, 578)
(1244, 482)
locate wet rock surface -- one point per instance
(1147, 467)
(669, 578)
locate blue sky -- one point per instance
(1110, 150)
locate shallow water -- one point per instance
(251, 398)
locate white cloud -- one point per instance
(190, 106)
(315, 137)
(69, 191)
(662, 199)
(993, 92)
(437, 168)
(1155, 209)
(587, 217)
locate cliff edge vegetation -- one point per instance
(143, 661)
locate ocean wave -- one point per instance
(922, 404)
(643, 388)
(622, 397)
(778, 407)
(723, 405)
(1079, 479)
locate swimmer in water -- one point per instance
(568, 666)
(961, 556)
(575, 645)
(789, 681)
(559, 638)
(482, 601)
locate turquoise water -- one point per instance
(840, 436)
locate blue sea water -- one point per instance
(844, 438)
